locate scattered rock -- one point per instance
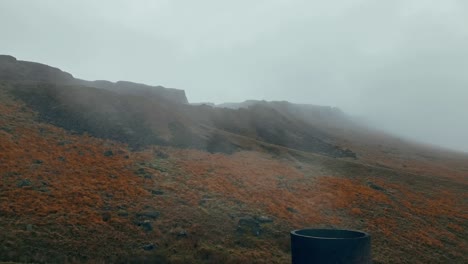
(146, 225)
(375, 186)
(264, 219)
(24, 183)
(6, 129)
(63, 159)
(106, 217)
(122, 213)
(108, 153)
(43, 187)
(204, 201)
(153, 214)
(64, 142)
(292, 210)
(248, 225)
(38, 161)
(149, 247)
(161, 154)
(11, 174)
(144, 173)
(182, 234)
(157, 192)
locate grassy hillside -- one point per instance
(70, 195)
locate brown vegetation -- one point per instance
(83, 195)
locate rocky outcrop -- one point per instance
(7, 59)
(130, 88)
(16, 70)
(12, 69)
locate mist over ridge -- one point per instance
(181, 131)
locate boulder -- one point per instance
(108, 153)
(263, 219)
(248, 225)
(153, 214)
(149, 247)
(24, 183)
(146, 225)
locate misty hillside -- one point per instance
(142, 115)
(103, 172)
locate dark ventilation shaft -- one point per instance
(323, 246)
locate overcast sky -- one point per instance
(401, 64)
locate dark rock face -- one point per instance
(81, 109)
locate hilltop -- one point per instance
(95, 171)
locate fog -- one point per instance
(402, 65)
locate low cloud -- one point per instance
(399, 64)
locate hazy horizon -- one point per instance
(400, 65)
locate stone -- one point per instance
(182, 234)
(122, 213)
(24, 183)
(153, 214)
(375, 186)
(157, 192)
(106, 216)
(248, 225)
(264, 219)
(161, 154)
(108, 153)
(149, 247)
